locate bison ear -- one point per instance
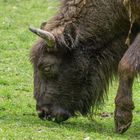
(49, 37)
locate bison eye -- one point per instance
(45, 67)
(50, 70)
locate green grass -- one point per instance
(18, 119)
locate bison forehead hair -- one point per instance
(78, 55)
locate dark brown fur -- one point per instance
(74, 75)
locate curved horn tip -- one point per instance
(32, 29)
(49, 37)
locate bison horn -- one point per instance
(49, 37)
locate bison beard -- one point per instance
(78, 56)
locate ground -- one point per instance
(18, 118)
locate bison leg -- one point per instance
(129, 66)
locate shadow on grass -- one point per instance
(103, 127)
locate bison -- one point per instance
(79, 51)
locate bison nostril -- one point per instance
(43, 114)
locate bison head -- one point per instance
(59, 82)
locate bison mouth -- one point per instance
(58, 115)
